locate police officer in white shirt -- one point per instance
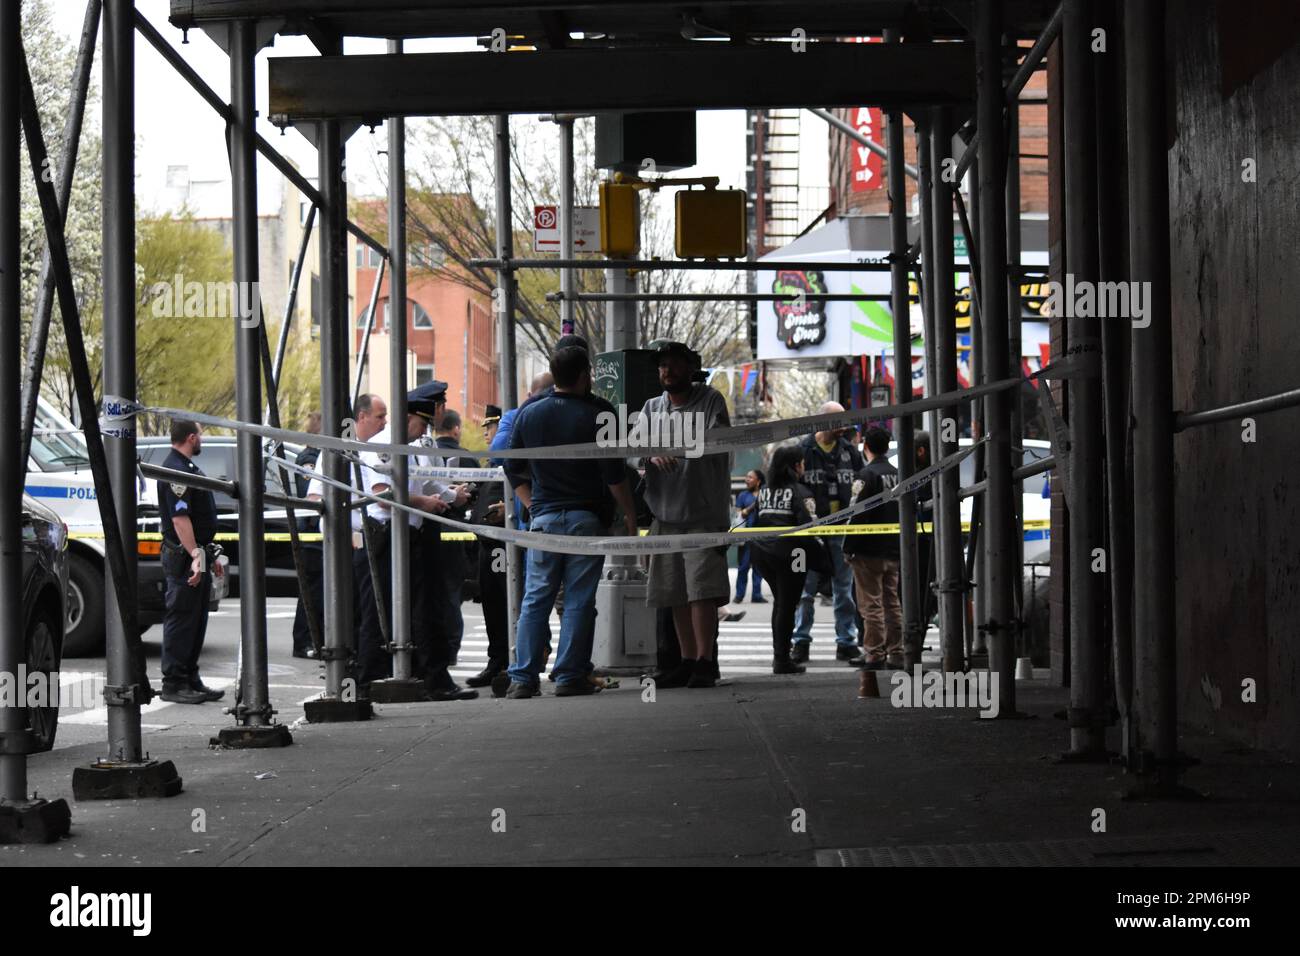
(424, 407)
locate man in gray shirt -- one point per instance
(688, 495)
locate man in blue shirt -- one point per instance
(564, 497)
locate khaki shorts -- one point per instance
(677, 579)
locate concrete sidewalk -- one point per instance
(699, 776)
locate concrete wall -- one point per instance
(1236, 283)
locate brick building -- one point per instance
(449, 327)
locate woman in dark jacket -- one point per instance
(782, 502)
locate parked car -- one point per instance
(59, 476)
(1034, 501)
(45, 579)
(219, 460)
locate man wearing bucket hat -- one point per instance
(688, 495)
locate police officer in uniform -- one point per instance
(189, 524)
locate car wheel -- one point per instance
(84, 624)
(43, 658)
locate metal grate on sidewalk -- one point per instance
(1271, 847)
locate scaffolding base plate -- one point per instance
(252, 738)
(126, 781)
(34, 821)
(333, 711)
(396, 690)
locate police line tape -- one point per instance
(654, 544)
(116, 409)
(312, 537)
(715, 440)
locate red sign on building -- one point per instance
(867, 167)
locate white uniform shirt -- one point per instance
(372, 478)
(317, 487)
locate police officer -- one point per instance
(189, 524)
(430, 611)
(830, 464)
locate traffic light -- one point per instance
(620, 220)
(711, 224)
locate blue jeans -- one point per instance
(545, 571)
(846, 624)
(744, 559)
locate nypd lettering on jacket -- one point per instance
(829, 474)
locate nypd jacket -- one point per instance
(830, 473)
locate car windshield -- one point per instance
(55, 446)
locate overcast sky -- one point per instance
(175, 128)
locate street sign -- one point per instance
(546, 229)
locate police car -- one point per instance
(1035, 502)
(59, 477)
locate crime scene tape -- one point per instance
(1031, 528)
(655, 544)
(714, 440)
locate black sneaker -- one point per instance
(500, 684)
(183, 695)
(452, 692)
(209, 692)
(520, 691)
(758, 600)
(577, 688)
(703, 675)
(846, 652)
(799, 652)
(787, 666)
(485, 677)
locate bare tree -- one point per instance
(450, 205)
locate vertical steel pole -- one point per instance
(896, 179)
(67, 170)
(255, 706)
(1154, 672)
(400, 529)
(1000, 571)
(567, 276)
(119, 341)
(1087, 625)
(334, 396)
(1014, 329)
(951, 571)
(363, 354)
(925, 202)
(290, 306)
(13, 766)
(1113, 262)
(504, 296)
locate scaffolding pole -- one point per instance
(507, 378)
(67, 170)
(952, 584)
(905, 432)
(1000, 571)
(1155, 650)
(1087, 713)
(13, 758)
(254, 708)
(339, 702)
(402, 686)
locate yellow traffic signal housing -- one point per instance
(711, 224)
(620, 220)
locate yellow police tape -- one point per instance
(467, 536)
